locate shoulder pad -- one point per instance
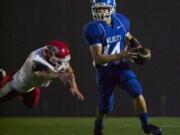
(123, 19)
(93, 29)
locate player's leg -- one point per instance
(102, 111)
(10, 95)
(6, 91)
(105, 107)
(141, 109)
(133, 87)
(31, 99)
(106, 97)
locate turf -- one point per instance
(81, 126)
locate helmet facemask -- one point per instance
(102, 16)
(60, 65)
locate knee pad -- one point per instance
(133, 87)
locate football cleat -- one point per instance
(98, 131)
(152, 129)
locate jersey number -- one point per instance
(114, 51)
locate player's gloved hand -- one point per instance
(128, 54)
(144, 55)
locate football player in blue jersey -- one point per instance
(105, 36)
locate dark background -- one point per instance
(26, 25)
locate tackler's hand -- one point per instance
(65, 77)
(75, 92)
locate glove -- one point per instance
(143, 55)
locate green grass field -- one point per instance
(81, 126)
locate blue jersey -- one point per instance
(111, 38)
(117, 72)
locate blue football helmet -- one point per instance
(109, 4)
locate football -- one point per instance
(143, 56)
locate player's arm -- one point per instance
(66, 77)
(42, 71)
(73, 84)
(100, 58)
(144, 54)
(47, 74)
(132, 41)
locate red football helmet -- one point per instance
(57, 53)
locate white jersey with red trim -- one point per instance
(24, 80)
